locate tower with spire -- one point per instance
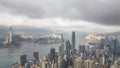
(10, 35)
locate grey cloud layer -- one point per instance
(106, 12)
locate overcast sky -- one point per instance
(90, 15)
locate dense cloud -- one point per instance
(106, 12)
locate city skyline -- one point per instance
(59, 34)
(77, 14)
(103, 55)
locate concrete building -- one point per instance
(61, 49)
(23, 59)
(79, 63)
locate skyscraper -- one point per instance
(61, 49)
(82, 48)
(68, 47)
(88, 64)
(73, 40)
(23, 59)
(79, 63)
(115, 47)
(52, 54)
(36, 55)
(45, 63)
(10, 35)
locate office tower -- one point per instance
(62, 39)
(70, 61)
(82, 48)
(79, 63)
(91, 64)
(55, 65)
(73, 52)
(61, 49)
(36, 55)
(88, 63)
(87, 48)
(10, 35)
(23, 59)
(102, 61)
(65, 62)
(116, 48)
(96, 65)
(68, 47)
(97, 54)
(45, 63)
(59, 61)
(29, 63)
(102, 52)
(73, 40)
(52, 54)
(16, 39)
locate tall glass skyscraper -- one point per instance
(52, 54)
(10, 35)
(73, 40)
(68, 47)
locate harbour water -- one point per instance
(8, 56)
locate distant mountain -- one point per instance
(29, 29)
(42, 30)
(110, 34)
(66, 31)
